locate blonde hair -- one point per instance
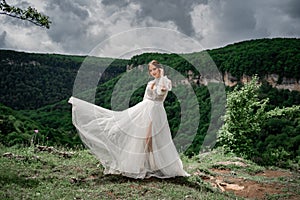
(154, 63)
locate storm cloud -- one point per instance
(78, 26)
(2, 39)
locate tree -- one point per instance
(246, 116)
(243, 119)
(30, 14)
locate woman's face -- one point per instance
(154, 71)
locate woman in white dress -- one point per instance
(135, 142)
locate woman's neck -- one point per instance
(157, 77)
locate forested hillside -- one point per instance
(263, 56)
(30, 81)
(35, 89)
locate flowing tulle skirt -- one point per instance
(120, 139)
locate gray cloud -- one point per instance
(71, 25)
(279, 18)
(292, 8)
(78, 25)
(69, 7)
(118, 3)
(177, 11)
(2, 39)
(228, 21)
(237, 16)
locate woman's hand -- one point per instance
(163, 89)
(162, 73)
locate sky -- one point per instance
(79, 26)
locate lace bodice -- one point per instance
(156, 94)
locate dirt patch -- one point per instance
(274, 174)
(227, 181)
(237, 163)
(221, 171)
(253, 189)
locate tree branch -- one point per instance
(18, 17)
(30, 14)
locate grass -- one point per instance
(30, 174)
(26, 173)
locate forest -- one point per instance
(35, 89)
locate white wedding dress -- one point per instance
(135, 142)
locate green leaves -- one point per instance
(243, 119)
(30, 14)
(288, 113)
(250, 130)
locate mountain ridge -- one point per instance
(33, 80)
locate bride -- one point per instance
(135, 142)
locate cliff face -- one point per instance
(286, 83)
(291, 84)
(273, 79)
